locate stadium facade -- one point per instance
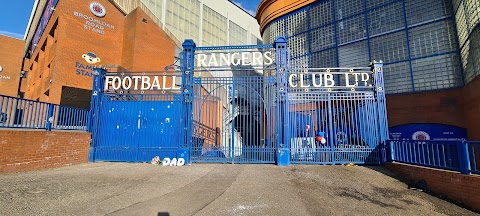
(430, 50)
(65, 39)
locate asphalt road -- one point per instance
(214, 189)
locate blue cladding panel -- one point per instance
(321, 14)
(322, 38)
(426, 10)
(351, 29)
(386, 30)
(346, 8)
(353, 55)
(385, 19)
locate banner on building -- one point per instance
(427, 132)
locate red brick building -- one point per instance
(11, 50)
(77, 36)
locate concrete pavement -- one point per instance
(214, 189)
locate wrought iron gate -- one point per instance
(244, 104)
(230, 119)
(134, 125)
(232, 122)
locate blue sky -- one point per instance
(249, 5)
(14, 18)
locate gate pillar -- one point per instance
(97, 90)
(187, 67)
(377, 69)
(282, 112)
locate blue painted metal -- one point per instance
(282, 107)
(97, 90)
(347, 118)
(187, 68)
(22, 113)
(367, 25)
(437, 154)
(367, 12)
(244, 47)
(139, 129)
(335, 29)
(462, 156)
(381, 104)
(134, 125)
(473, 148)
(238, 115)
(231, 117)
(408, 44)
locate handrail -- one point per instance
(457, 155)
(24, 113)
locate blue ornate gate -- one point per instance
(232, 104)
(242, 104)
(134, 125)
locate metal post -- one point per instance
(51, 107)
(283, 141)
(391, 151)
(331, 129)
(93, 118)
(187, 67)
(463, 157)
(377, 69)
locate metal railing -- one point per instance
(473, 148)
(462, 156)
(22, 113)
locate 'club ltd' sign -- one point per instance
(327, 80)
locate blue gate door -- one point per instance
(117, 131)
(231, 123)
(159, 130)
(137, 128)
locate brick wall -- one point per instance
(135, 42)
(464, 189)
(146, 46)
(11, 50)
(457, 107)
(441, 107)
(471, 96)
(22, 150)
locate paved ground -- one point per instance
(213, 189)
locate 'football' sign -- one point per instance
(142, 83)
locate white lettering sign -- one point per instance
(141, 83)
(173, 162)
(318, 80)
(94, 24)
(235, 59)
(4, 77)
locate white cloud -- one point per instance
(11, 34)
(251, 12)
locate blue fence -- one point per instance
(22, 113)
(473, 148)
(462, 156)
